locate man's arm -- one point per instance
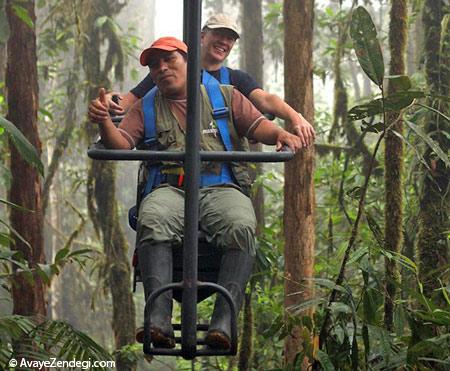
(268, 133)
(99, 113)
(249, 122)
(271, 103)
(125, 101)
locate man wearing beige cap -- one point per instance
(219, 35)
(226, 214)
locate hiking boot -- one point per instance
(235, 271)
(155, 262)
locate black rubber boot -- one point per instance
(236, 268)
(155, 262)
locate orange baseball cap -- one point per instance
(167, 43)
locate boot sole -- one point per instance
(218, 340)
(160, 340)
(140, 335)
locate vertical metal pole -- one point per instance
(192, 179)
(185, 19)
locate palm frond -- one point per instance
(22, 337)
(67, 343)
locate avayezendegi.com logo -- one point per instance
(55, 363)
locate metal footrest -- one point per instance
(186, 351)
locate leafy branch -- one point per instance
(368, 52)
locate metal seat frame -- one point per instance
(190, 284)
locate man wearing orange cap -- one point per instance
(219, 35)
(226, 214)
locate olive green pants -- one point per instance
(226, 216)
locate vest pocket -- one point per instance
(166, 138)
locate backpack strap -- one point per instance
(220, 113)
(155, 177)
(224, 76)
(220, 109)
(148, 107)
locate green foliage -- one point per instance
(324, 361)
(368, 51)
(6, 239)
(394, 102)
(49, 339)
(433, 145)
(45, 271)
(45, 339)
(355, 336)
(38, 341)
(367, 47)
(23, 15)
(27, 151)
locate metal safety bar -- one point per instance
(192, 183)
(100, 153)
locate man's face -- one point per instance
(217, 43)
(168, 71)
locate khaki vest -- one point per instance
(172, 138)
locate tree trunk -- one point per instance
(4, 34)
(2, 64)
(22, 86)
(299, 189)
(340, 105)
(355, 81)
(435, 198)
(252, 61)
(101, 183)
(70, 120)
(393, 160)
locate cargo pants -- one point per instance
(226, 216)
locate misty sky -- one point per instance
(169, 18)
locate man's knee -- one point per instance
(236, 235)
(160, 219)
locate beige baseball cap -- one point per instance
(222, 21)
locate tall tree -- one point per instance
(415, 37)
(23, 92)
(4, 33)
(102, 201)
(252, 61)
(393, 160)
(299, 188)
(435, 198)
